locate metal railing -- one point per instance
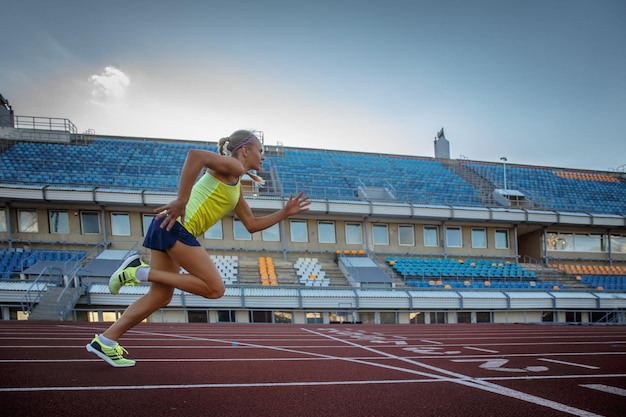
(34, 292)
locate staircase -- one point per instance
(48, 309)
(482, 185)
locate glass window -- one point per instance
(59, 222)
(589, 243)
(484, 317)
(438, 317)
(431, 236)
(502, 239)
(215, 231)
(240, 231)
(197, 316)
(314, 318)
(283, 317)
(90, 222)
(560, 241)
(27, 221)
(147, 219)
(479, 238)
(417, 317)
(464, 317)
(354, 235)
(298, 231)
(326, 232)
(271, 234)
(618, 243)
(3, 220)
(454, 239)
(226, 316)
(406, 235)
(380, 234)
(388, 317)
(120, 224)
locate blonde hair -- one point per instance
(231, 145)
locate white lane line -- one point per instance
(431, 341)
(217, 385)
(606, 388)
(480, 349)
(473, 382)
(568, 363)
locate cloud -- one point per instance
(109, 86)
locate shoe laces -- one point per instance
(120, 350)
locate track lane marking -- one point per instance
(568, 363)
(606, 388)
(473, 382)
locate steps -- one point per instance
(46, 308)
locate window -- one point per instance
(380, 234)
(618, 243)
(59, 222)
(226, 316)
(298, 231)
(388, 317)
(502, 239)
(283, 317)
(215, 231)
(464, 317)
(479, 238)
(406, 235)
(147, 219)
(197, 316)
(120, 224)
(271, 234)
(326, 232)
(437, 317)
(484, 317)
(547, 316)
(90, 222)
(354, 235)
(3, 220)
(431, 236)
(240, 231)
(589, 243)
(454, 239)
(417, 317)
(562, 242)
(27, 221)
(314, 318)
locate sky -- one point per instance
(540, 82)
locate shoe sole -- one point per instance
(105, 358)
(122, 267)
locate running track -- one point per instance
(316, 370)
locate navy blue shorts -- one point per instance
(162, 240)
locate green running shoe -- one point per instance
(114, 356)
(125, 274)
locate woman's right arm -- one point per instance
(194, 162)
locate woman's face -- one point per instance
(255, 157)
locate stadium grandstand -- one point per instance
(411, 239)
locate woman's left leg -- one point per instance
(158, 296)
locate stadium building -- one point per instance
(388, 238)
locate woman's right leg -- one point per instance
(203, 278)
(158, 296)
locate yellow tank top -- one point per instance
(210, 200)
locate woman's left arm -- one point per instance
(253, 224)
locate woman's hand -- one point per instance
(171, 212)
(297, 204)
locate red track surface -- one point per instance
(316, 370)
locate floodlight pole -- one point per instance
(503, 159)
